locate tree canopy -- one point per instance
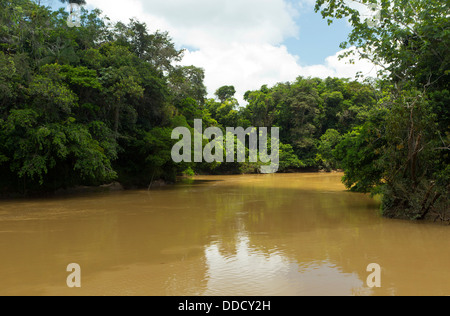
(402, 151)
(97, 103)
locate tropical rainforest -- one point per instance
(97, 103)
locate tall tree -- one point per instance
(298, 114)
(409, 40)
(224, 93)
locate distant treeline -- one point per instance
(97, 103)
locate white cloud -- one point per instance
(248, 67)
(343, 68)
(201, 23)
(236, 42)
(117, 11)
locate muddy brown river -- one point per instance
(257, 235)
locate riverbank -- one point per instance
(158, 184)
(280, 234)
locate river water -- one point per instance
(265, 235)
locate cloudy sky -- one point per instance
(245, 43)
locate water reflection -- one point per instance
(228, 235)
(248, 271)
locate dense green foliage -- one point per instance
(86, 105)
(402, 150)
(97, 103)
